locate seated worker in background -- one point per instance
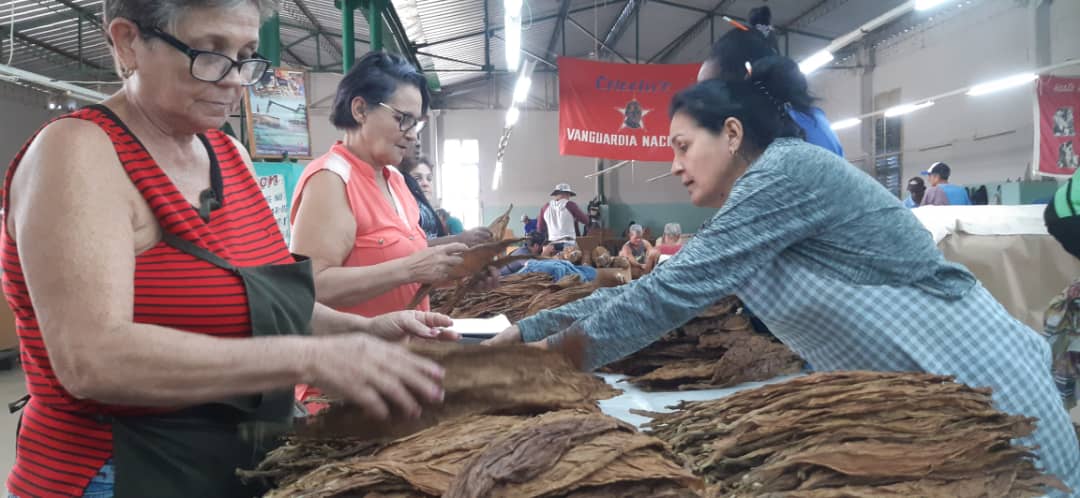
(419, 176)
(453, 224)
(671, 241)
(941, 192)
(639, 251)
(1062, 319)
(559, 218)
(917, 189)
(530, 224)
(535, 245)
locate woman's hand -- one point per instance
(379, 377)
(474, 236)
(405, 324)
(433, 265)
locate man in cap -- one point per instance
(1061, 323)
(917, 189)
(559, 218)
(941, 192)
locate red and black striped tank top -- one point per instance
(61, 444)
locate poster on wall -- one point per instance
(618, 111)
(277, 115)
(277, 182)
(1059, 104)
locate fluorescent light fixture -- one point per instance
(1002, 84)
(512, 29)
(927, 4)
(900, 110)
(512, 116)
(521, 89)
(497, 177)
(814, 62)
(846, 123)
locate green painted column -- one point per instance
(270, 40)
(348, 34)
(375, 23)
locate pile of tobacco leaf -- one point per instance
(855, 434)
(516, 421)
(717, 349)
(518, 296)
(571, 453)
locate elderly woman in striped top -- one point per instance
(832, 262)
(162, 320)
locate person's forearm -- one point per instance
(552, 321)
(328, 321)
(148, 365)
(343, 286)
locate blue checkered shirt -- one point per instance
(842, 273)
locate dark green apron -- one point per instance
(195, 452)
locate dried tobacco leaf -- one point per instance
(855, 434)
(566, 453)
(478, 380)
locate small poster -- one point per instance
(273, 188)
(277, 116)
(1059, 103)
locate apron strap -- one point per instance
(184, 246)
(18, 404)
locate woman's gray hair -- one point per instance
(165, 14)
(673, 229)
(635, 228)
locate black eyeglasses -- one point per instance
(213, 67)
(405, 120)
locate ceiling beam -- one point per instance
(812, 14)
(501, 27)
(560, 23)
(672, 48)
(597, 40)
(449, 59)
(630, 11)
(297, 57)
(300, 4)
(740, 19)
(51, 48)
(84, 13)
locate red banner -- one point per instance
(618, 111)
(1059, 103)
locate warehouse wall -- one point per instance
(22, 112)
(533, 165)
(984, 139)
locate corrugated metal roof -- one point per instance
(450, 31)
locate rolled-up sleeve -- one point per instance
(766, 213)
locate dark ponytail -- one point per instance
(737, 47)
(760, 103)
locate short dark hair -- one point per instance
(760, 103)
(375, 77)
(536, 238)
(737, 47)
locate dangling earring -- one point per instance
(126, 72)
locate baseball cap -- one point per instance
(939, 168)
(916, 183)
(562, 188)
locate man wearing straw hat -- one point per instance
(559, 218)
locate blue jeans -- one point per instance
(101, 486)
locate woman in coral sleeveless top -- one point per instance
(159, 312)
